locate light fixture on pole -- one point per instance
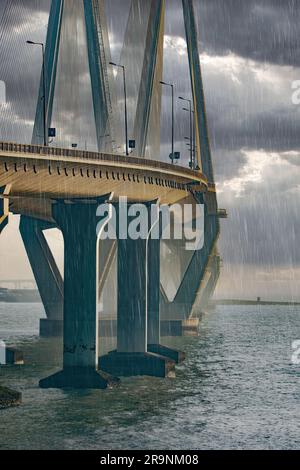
(191, 127)
(172, 156)
(125, 97)
(193, 165)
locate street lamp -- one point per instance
(125, 97)
(44, 90)
(173, 118)
(191, 128)
(193, 161)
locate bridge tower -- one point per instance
(140, 298)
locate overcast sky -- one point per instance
(250, 54)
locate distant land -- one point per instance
(32, 296)
(19, 295)
(257, 301)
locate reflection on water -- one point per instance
(237, 389)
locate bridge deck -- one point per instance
(38, 174)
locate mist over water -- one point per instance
(237, 389)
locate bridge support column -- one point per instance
(77, 220)
(4, 207)
(132, 357)
(153, 307)
(46, 273)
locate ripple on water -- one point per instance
(237, 389)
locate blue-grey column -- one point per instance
(187, 292)
(132, 326)
(46, 273)
(77, 222)
(133, 356)
(153, 294)
(4, 207)
(153, 304)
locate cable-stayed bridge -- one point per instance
(53, 184)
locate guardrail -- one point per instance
(84, 154)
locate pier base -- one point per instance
(173, 354)
(9, 398)
(190, 327)
(14, 356)
(79, 377)
(177, 328)
(137, 364)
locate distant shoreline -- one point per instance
(251, 302)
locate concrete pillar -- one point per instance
(77, 221)
(132, 272)
(4, 207)
(132, 356)
(153, 305)
(153, 294)
(46, 273)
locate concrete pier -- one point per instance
(77, 220)
(131, 357)
(14, 356)
(46, 273)
(138, 324)
(135, 275)
(153, 305)
(4, 206)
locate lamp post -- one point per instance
(173, 118)
(44, 90)
(191, 127)
(193, 161)
(125, 97)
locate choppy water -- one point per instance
(237, 389)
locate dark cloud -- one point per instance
(274, 131)
(265, 30)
